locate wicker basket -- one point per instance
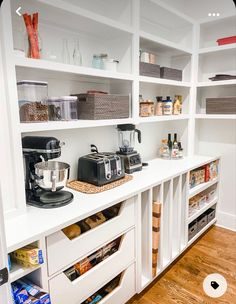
(149, 69)
(173, 74)
(103, 106)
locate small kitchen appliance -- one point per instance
(132, 159)
(100, 168)
(44, 178)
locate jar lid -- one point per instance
(32, 82)
(111, 60)
(63, 98)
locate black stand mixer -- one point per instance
(44, 179)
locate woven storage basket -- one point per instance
(149, 69)
(173, 74)
(103, 106)
(221, 105)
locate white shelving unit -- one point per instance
(195, 190)
(202, 210)
(17, 272)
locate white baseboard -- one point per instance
(226, 220)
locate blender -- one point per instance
(126, 137)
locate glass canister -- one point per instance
(98, 59)
(146, 108)
(62, 108)
(32, 99)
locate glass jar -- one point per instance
(62, 108)
(110, 65)
(97, 62)
(159, 106)
(32, 99)
(168, 106)
(146, 108)
(164, 149)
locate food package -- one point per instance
(197, 177)
(95, 220)
(83, 226)
(214, 169)
(71, 273)
(29, 254)
(86, 264)
(112, 211)
(93, 299)
(72, 231)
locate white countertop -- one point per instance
(36, 223)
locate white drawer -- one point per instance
(125, 290)
(62, 251)
(64, 291)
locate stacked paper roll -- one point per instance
(156, 221)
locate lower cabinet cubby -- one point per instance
(63, 290)
(88, 241)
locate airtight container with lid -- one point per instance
(62, 108)
(32, 98)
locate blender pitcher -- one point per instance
(126, 137)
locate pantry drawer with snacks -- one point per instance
(85, 236)
(93, 272)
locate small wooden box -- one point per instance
(173, 74)
(221, 105)
(149, 69)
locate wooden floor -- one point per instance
(215, 252)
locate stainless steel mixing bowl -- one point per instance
(52, 175)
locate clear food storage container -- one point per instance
(32, 98)
(62, 108)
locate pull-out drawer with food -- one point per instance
(66, 289)
(88, 240)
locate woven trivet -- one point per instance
(92, 189)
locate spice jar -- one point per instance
(159, 106)
(32, 98)
(168, 106)
(62, 108)
(177, 107)
(146, 108)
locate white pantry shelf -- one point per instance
(74, 124)
(163, 118)
(169, 82)
(202, 210)
(19, 271)
(160, 42)
(201, 232)
(195, 190)
(215, 116)
(41, 64)
(216, 83)
(218, 48)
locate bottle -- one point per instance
(177, 107)
(169, 142)
(65, 52)
(175, 147)
(164, 149)
(180, 154)
(159, 106)
(77, 57)
(168, 106)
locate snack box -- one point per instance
(29, 254)
(197, 177)
(226, 40)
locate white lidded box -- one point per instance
(62, 108)
(32, 98)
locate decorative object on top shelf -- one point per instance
(66, 57)
(77, 56)
(171, 150)
(31, 24)
(221, 105)
(226, 40)
(103, 62)
(98, 105)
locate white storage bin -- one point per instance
(62, 290)
(87, 242)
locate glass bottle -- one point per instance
(65, 52)
(164, 149)
(175, 148)
(77, 57)
(169, 142)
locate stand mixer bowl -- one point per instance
(52, 175)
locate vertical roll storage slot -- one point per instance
(176, 216)
(184, 212)
(166, 238)
(146, 235)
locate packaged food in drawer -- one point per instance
(78, 290)
(89, 239)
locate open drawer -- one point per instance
(88, 241)
(63, 290)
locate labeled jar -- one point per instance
(146, 108)
(32, 99)
(159, 106)
(62, 108)
(177, 107)
(168, 106)
(97, 62)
